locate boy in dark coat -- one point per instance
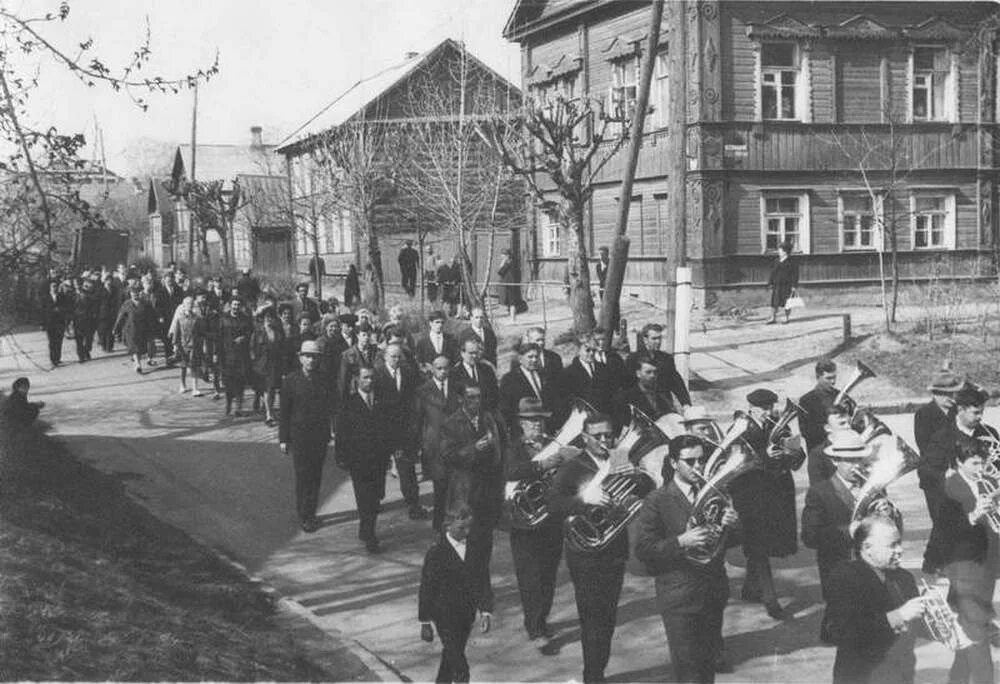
(448, 595)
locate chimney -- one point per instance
(411, 54)
(255, 137)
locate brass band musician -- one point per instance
(536, 550)
(765, 499)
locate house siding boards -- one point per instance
(859, 78)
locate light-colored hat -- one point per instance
(695, 414)
(945, 381)
(530, 407)
(847, 445)
(309, 348)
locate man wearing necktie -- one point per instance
(361, 355)
(585, 378)
(829, 507)
(395, 384)
(436, 342)
(525, 379)
(434, 400)
(646, 394)
(362, 450)
(471, 370)
(612, 360)
(550, 364)
(481, 331)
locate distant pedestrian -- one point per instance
(352, 286)
(86, 312)
(783, 281)
(603, 261)
(306, 414)
(233, 349)
(133, 324)
(186, 332)
(267, 361)
(408, 260)
(431, 264)
(508, 292)
(57, 307)
(248, 288)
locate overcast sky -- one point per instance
(280, 62)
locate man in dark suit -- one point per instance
(435, 400)
(306, 413)
(449, 594)
(585, 378)
(470, 370)
(939, 453)
(480, 330)
(597, 575)
(86, 312)
(691, 597)
(965, 546)
(550, 363)
(408, 259)
(536, 549)
(526, 379)
(436, 342)
(816, 402)
(473, 442)
(829, 506)
(611, 359)
(57, 307)
(396, 385)
(304, 304)
(361, 355)
(361, 449)
(871, 605)
(939, 411)
(667, 378)
(646, 394)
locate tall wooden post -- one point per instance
(676, 239)
(194, 153)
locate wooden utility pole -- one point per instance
(677, 161)
(194, 153)
(611, 306)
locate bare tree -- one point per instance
(559, 147)
(457, 180)
(214, 207)
(360, 162)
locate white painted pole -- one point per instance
(682, 319)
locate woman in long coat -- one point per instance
(765, 500)
(352, 286)
(508, 292)
(133, 324)
(233, 348)
(267, 358)
(783, 281)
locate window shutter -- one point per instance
(909, 87)
(805, 233)
(953, 91)
(804, 95)
(758, 109)
(762, 222)
(950, 239)
(878, 208)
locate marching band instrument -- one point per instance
(989, 489)
(893, 458)
(731, 458)
(525, 498)
(776, 442)
(861, 373)
(626, 485)
(941, 621)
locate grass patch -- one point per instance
(93, 587)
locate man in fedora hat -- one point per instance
(536, 550)
(933, 416)
(306, 414)
(829, 506)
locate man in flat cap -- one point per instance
(765, 499)
(305, 419)
(930, 418)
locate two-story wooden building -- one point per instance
(815, 122)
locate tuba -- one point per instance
(941, 621)
(776, 445)
(525, 499)
(641, 445)
(861, 373)
(893, 458)
(731, 458)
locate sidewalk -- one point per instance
(224, 481)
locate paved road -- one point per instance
(224, 481)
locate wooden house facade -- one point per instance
(420, 97)
(812, 122)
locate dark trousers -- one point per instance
(308, 457)
(454, 635)
(106, 335)
(480, 553)
(972, 598)
(597, 583)
(84, 342)
(440, 502)
(55, 335)
(409, 279)
(367, 496)
(536, 555)
(693, 641)
(406, 468)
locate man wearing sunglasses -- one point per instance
(691, 597)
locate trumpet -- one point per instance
(941, 621)
(525, 499)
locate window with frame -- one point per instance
(858, 222)
(779, 81)
(551, 238)
(624, 87)
(784, 218)
(931, 84)
(933, 221)
(662, 89)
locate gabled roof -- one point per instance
(364, 95)
(214, 162)
(529, 14)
